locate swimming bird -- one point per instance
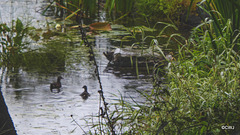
(56, 85)
(85, 94)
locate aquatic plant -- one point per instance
(119, 6)
(14, 41)
(65, 7)
(172, 10)
(119, 9)
(90, 8)
(17, 51)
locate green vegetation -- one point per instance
(17, 49)
(152, 9)
(163, 8)
(14, 41)
(201, 91)
(120, 6)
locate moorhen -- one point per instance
(56, 85)
(85, 94)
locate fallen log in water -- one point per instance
(126, 57)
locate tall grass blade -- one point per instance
(73, 14)
(137, 72)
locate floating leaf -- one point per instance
(105, 26)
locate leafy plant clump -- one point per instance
(14, 41)
(205, 87)
(173, 9)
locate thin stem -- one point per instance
(92, 57)
(78, 124)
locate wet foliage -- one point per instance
(34, 49)
(14, 41)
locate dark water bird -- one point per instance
(85, 94)
(56, 85)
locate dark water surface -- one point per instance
(37, 111)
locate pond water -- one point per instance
(37, 111)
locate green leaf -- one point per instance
(19, 26)
(204, 123)
(203, 129)
(5, 27)
(71, 15)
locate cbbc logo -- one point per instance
(227, 127)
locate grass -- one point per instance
(201, 93)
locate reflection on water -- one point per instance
(37, 111)
(26, 9)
